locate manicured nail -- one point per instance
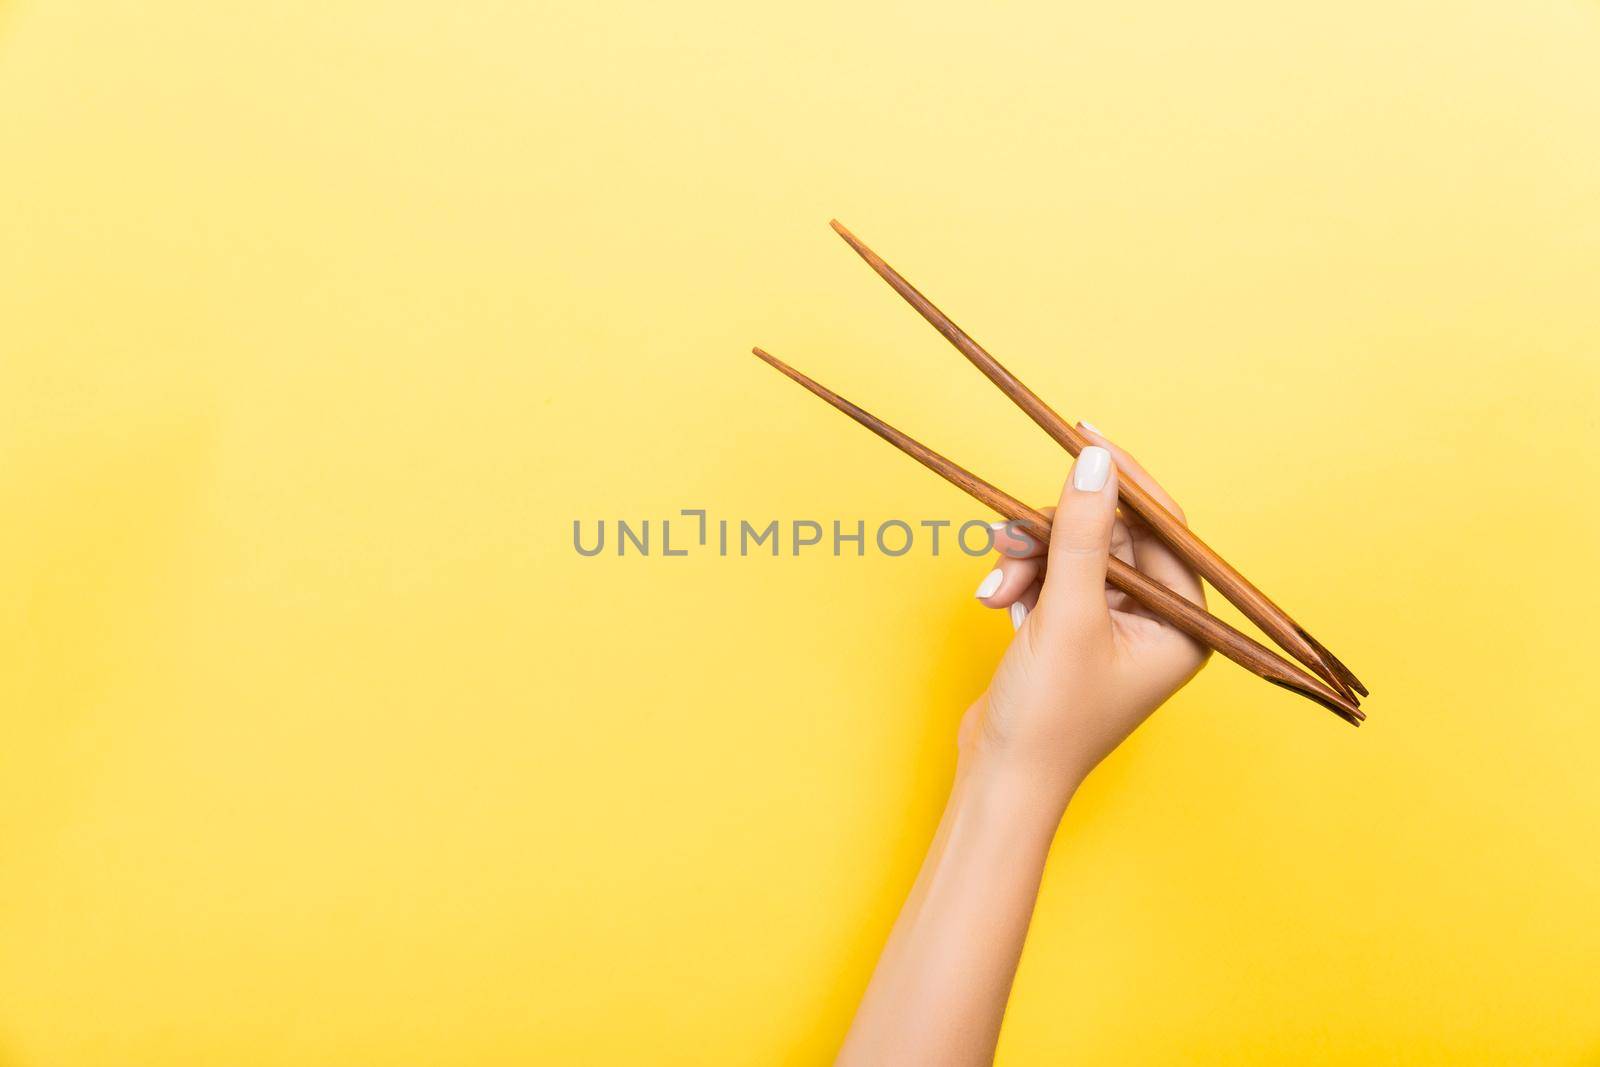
(1018, 614)
(990, 583)
(1089, 473)
(1001, 525)
(1091, 427)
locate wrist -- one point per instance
(1034, 775)
(1017, 792)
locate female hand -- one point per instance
(1088, 664)
(1084, 670)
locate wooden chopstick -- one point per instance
(1273, 620)
(1188, 617)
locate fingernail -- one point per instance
(990, 583)
(1001, 525)
(1091, 427)
(1089, 473)
(1018, 614)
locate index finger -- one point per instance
(1013, 542)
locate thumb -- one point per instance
(1080, 543)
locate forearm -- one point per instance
(940, 987)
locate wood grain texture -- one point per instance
(1185, 615)
(1227, 580)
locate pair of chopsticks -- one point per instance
(1328, 681)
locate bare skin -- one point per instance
(1086, 667)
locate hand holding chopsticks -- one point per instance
(1336, 687)
(1161, 601)
(1216, 570)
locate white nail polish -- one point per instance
(990, 583)
(1091, 427)
(1018, 614)
(1089, 473)
(1001, 525)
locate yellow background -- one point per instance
(321, 322)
